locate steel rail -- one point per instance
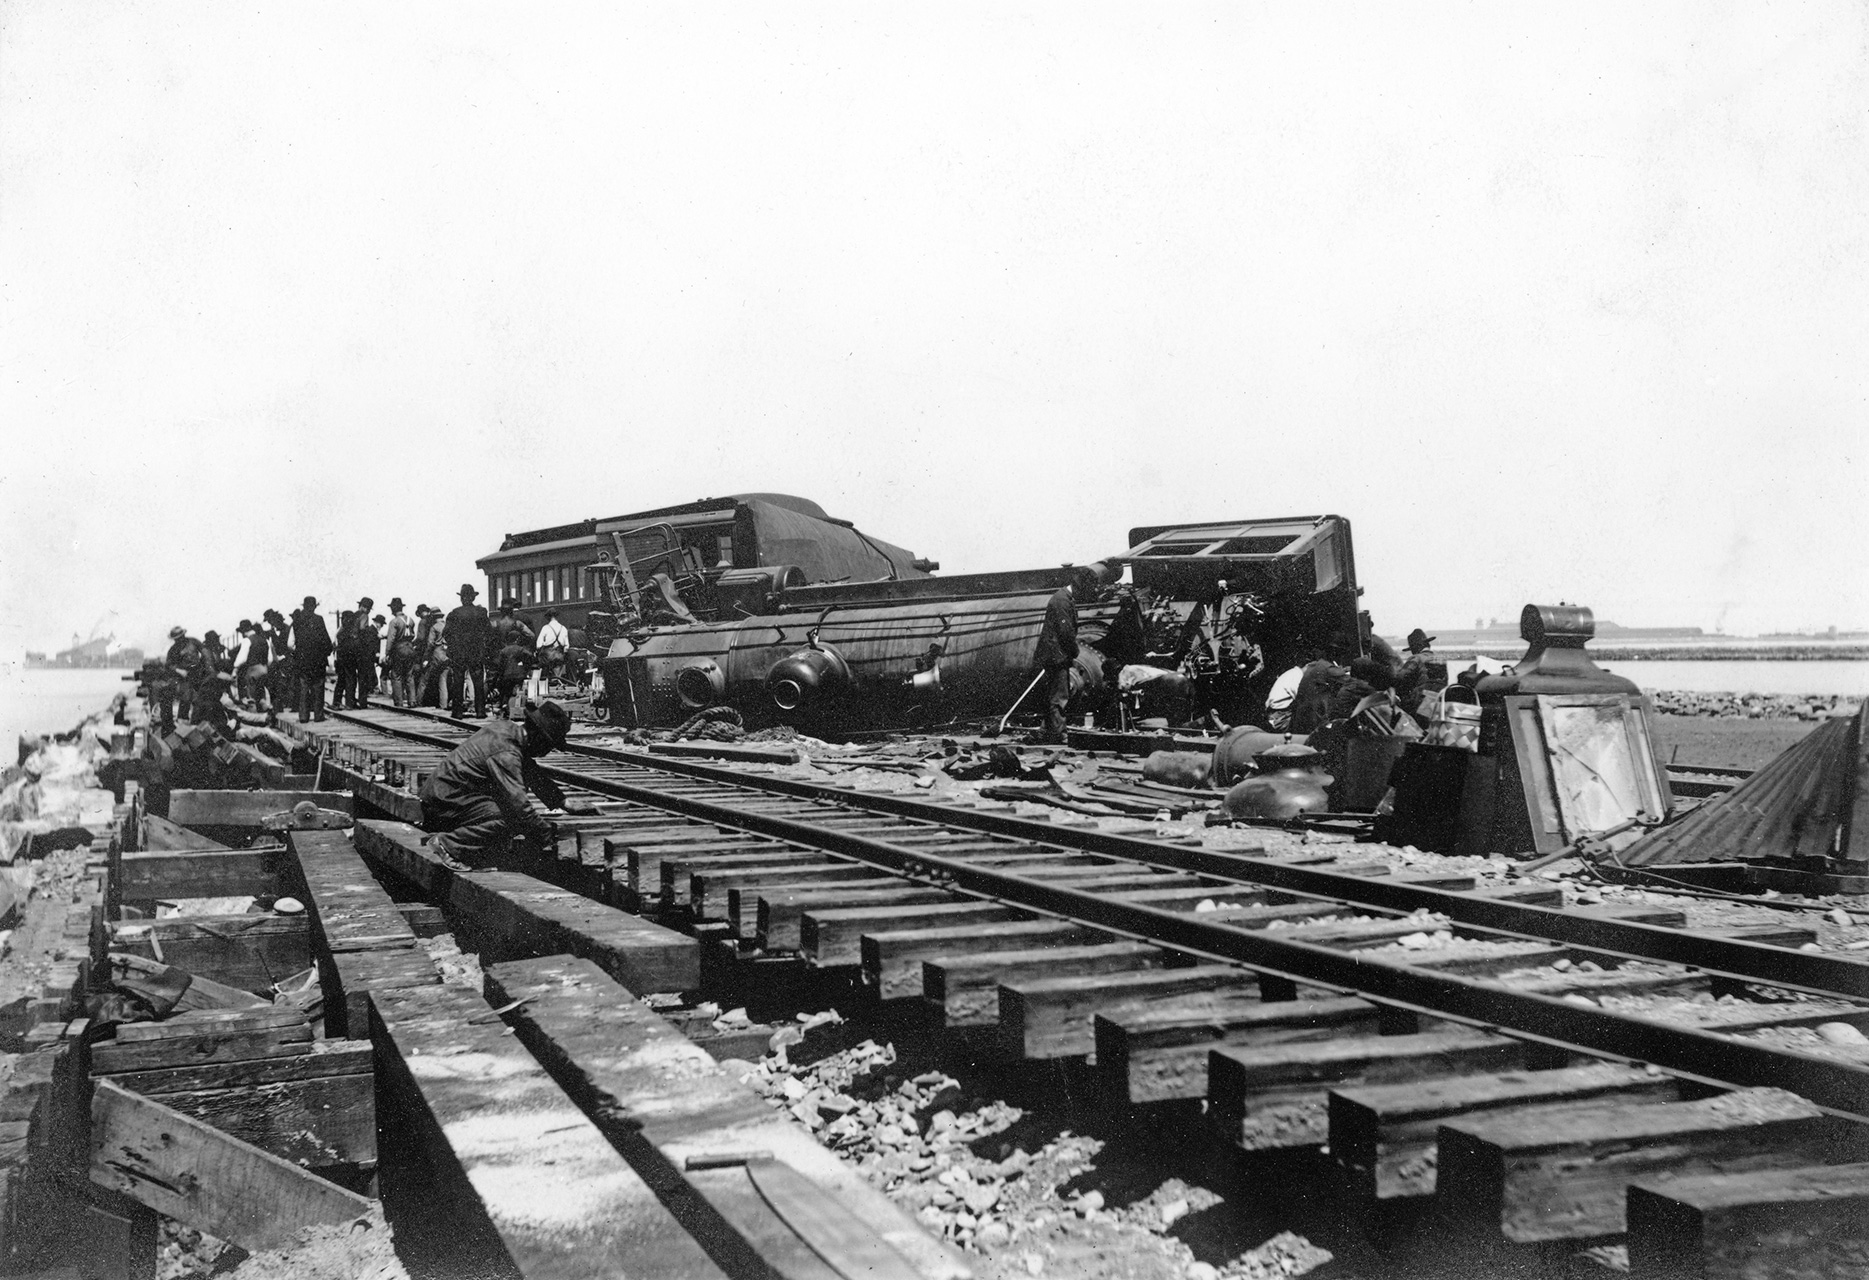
(1808, 972)
(1837, 1086)
(1840, 1087)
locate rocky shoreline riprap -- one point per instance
(1754, 706)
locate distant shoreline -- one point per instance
(1732, 651)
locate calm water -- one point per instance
(1851, 679)
(53, 701)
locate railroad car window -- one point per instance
(551, 586)
(1253, 546)
(725, 542)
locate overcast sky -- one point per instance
(1555, 302)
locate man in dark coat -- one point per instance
(469, 631)
(311, 650)
(1310, 706)
(281, 672)
(1057, 649)
(482, 794)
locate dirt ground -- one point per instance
(1726, 743)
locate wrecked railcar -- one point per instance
(1217, 605)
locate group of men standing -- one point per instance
(283, 664)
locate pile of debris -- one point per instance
(979, 1171)
(1753, 706)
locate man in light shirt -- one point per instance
(554, 640)
(1278, 702)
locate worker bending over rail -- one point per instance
(482, 795)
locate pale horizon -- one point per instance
(1564, 303)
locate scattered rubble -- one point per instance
(1753, 706)
(982, 1174)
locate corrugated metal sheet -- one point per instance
(1795, 807)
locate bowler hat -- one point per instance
(246, 625)
(311, 602)
(176, 633)
(551, 721)
(467, 589)
(1419, 640)
(395, 602)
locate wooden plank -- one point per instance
(664, 1102)
(1565, 1177)
(1156, 1055)
(1384, 1135)
(202, 993)
(229, 873)
(193, 1173)
(834, 935)
(111, 1056)
(199, 1022)
(193, 808)
(315, 1122)
(348, 978)
(515, 916)
(323, 1058)
(1274, 1096)
(159, 834)
(1052, 1017)
(350, 910)
(497, 1172)
(965, 989)
(1782, 1224)
(247, 952)
(677, 870)
(892, 959)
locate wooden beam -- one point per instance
(665, 1104)
(892, 959)
(244, 808)
(965, 989)
(1384, 1135)
(496, 1172)
(200, 873)
(780, 912)
(834, 935)
(364, 943)
(1158, 1055)
(160, 834)
(1565, 1177)
(322, 1058)
(1789, 1223)
(1052, 1017)
(515, 916)
(248, 952)
(1275, 1096)
(196, 1174)
(195, 1038)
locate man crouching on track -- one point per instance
(478, 799)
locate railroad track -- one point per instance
(1303, 1000)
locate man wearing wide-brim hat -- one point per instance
(311, 651)
(468, 630)
(482, 795)
(399, 653)
(1423, 672)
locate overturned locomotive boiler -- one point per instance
(1217, 603)
(855, 655)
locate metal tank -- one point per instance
(858, 655)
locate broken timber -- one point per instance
(769, 1196)
(496, 1172)
(198, 1175)
(244, 808)
(362, 943)
(516, 916)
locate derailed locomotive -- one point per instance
(1222, 606)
